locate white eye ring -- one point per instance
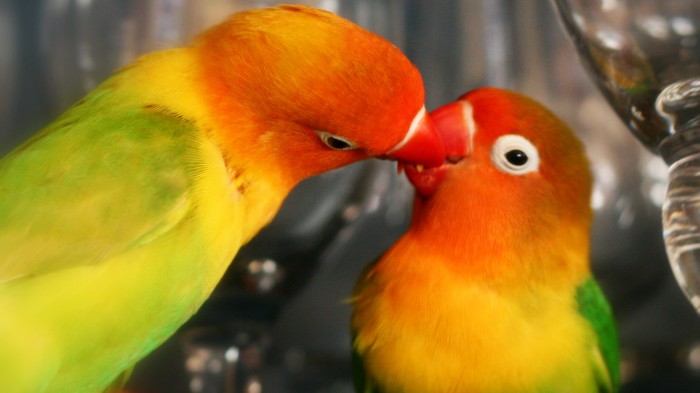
(515, 155)
(335, 142)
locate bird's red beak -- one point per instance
(455, 125)
(422, 144)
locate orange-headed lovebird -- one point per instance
(489, 290)
(118, 219)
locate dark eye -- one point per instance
(335, 142)
(517, 157)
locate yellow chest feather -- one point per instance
(445, 334)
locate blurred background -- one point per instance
(279, 321)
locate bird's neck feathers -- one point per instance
(510, 247)
(167, 80)
(176, 82)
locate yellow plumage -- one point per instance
(446, 330)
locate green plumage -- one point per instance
(101, 179)
(595, 309)
(95, 211)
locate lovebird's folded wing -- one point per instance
(593, 306)
(91, 186)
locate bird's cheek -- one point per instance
(316, 161)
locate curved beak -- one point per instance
(422, 144)
(456, 127)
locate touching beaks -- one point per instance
(422, 144)
(455, 124)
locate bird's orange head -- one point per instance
(312, 91)
(516, 173)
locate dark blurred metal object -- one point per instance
(226, 358)
(280, 260)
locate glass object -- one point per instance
(85, 41)
(645, 57)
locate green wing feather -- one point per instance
(107, 176)
(594, 307)
(359, 377)
(104, 177)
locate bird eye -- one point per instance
(335, 142)
(515, 155)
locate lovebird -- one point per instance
(118, 219)
(490, 290)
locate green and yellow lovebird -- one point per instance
(490, 290)
(118, 219)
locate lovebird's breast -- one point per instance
(430, 331)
